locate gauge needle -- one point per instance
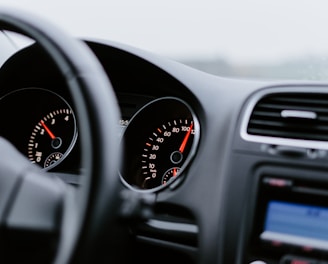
(48, 130)
(185, 140)
(175, 172)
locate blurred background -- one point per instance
(261, 39)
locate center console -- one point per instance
(278, 181)
(290, 224)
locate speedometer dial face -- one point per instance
(159, 143)
(165, 151)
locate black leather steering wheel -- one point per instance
(42, 220)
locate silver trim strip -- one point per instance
(294, 240)
(298, 114)
(173, 226)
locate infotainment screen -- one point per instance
(296, 224)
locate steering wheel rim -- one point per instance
(89, 214)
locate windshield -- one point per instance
(280, 39)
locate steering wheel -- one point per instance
(42, 219)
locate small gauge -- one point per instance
(52, 159)
(170, 174)
(159, 143)
(52, 138)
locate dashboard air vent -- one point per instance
(291, 115)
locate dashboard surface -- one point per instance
(222, 157)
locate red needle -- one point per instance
(175, 172)
(48, 130)
(185, 140)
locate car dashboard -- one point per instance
(237, 168)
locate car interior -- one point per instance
(112, 154)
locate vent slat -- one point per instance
(311, 100)
(281, 107)
(266, 119)
(283, 134)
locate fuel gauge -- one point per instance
(169, 175)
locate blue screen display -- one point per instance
(296, 224)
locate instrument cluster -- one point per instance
(159, 136)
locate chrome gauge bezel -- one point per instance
(192, 151)
(67, 105)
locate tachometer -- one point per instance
(41, 125)
(52, 137)
(159, 143)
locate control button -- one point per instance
(301, 261)
(297, 260)
(277, 182)
(308, 251)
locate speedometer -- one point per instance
(159, 143)
(165, 151)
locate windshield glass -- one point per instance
(281, 39)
